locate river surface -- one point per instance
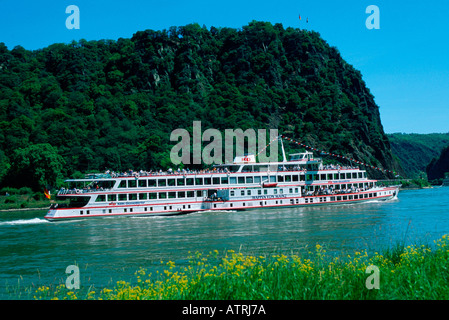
(36, 252)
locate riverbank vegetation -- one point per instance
(22, 198)
(405, 272)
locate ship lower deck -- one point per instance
(242, 203)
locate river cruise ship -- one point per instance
(303, 180)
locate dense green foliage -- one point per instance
(113, 104)
(416, 151)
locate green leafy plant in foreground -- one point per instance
(412, 272)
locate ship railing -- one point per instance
(64, 191)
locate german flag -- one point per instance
(47, 193)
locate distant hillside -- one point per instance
(416, 151)
(439, 166)
(92, 105)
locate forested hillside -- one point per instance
(106, 104)
(416, 151)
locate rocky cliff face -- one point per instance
(439, 166)
(112, 104)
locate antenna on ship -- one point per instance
(284, 159)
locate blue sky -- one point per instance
(405, 63)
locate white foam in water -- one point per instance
(24, 221)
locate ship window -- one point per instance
(290, 190)
(272, 178)
(189, 181)
(342, 176)
(143, 196)
(280, 178)
(288, 178)
(224, 180)
(198, 193)
(296, 190)
(151, 182)
(171, 182)
(122, 184)
(190, 194)
(171, 195)
(142, 183)
(232, 193)
(248, 192)
(302, 177)
(162, 195)
(329, 176)
(198, 181)
(295, 177)
(281, 191)
(180, 182)
(354, 175)
(112, 197)
(153, 195)
(132, 183)
(216, 180)
(323, 177)
(265, 191)
(249, 179)
(336, 176)
(232, 180)
(207, 181)
(181, 194)
(161, 182)
(122, 197)
(132, 196)
(241, 180)
(275, 191)
(100, 198)
(257, 179)
(242, 192)
(259, 192)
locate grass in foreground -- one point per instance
(413, 272)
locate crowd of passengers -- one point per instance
(142, 173)
(331, 190)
